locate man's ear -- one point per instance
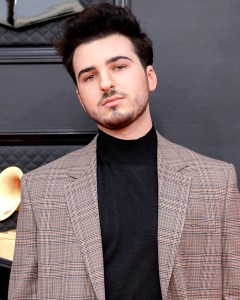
(79, 98)
(152, 78)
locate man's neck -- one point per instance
(133, 131)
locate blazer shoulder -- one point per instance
(195, 164)
(170, 148)
(82, 156)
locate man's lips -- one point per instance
(112, 101)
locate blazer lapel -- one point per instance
(82, 201)
(173, 193)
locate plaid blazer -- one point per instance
(58, 253)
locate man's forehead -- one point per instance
(114, 42)
(103, 50)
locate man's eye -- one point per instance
(89, 77)
(119, 67)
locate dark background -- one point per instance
(197, 60)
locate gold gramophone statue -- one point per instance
(10, 180)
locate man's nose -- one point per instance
(106, 82)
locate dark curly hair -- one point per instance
(98, 21)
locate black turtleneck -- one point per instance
(128, 208)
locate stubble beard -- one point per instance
(120, 119)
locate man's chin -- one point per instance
(117, 123)
(115, 126)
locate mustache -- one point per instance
(109, 94)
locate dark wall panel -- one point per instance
(197, 59)
(39, 97)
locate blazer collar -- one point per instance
(81, 196)
(167, 152)
(173, 192)
(84, 159)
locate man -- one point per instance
(131, 215)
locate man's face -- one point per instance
(112, 85)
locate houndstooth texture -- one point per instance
(58, 254)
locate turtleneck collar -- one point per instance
(139, 151)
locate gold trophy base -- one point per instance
(7, 244)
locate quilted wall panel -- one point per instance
(28, 158)
(39, 35)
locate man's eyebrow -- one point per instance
(116, 58)
(108, 61)
(85, 70)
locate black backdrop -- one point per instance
(197, 60)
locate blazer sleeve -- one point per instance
(231, 240)
(23, 277)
